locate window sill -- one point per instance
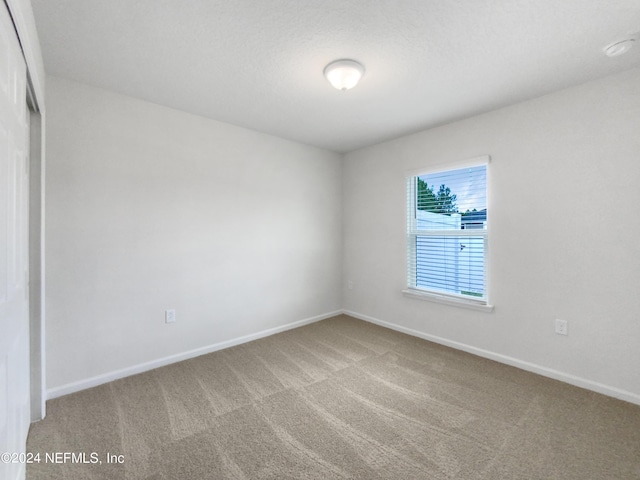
(456, 302)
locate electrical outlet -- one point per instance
(561, 327)
(169, 316)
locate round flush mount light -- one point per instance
(619, 48)
(344, 74)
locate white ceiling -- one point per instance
(258, 63)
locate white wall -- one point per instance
(564, 229)
(150, 208)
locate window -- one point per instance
(447, 233)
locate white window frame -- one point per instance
(413, 233)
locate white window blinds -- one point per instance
(447, 232)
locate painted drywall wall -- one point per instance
(149, 209)
(563, 233)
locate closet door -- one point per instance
(14, 294)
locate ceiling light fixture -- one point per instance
(344, 74)
(618, 48)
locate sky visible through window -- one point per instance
(468, 184)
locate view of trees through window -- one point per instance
(443, 202)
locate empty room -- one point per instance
(287, 239)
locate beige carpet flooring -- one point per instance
(339, 399)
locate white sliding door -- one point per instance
(14, 267)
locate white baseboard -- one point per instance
(514, 362)
(161, 362)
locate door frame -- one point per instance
(36, 269)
